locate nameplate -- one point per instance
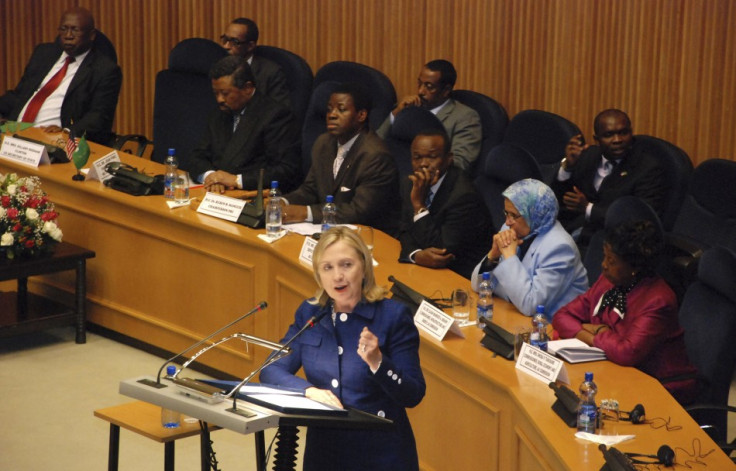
(220, 206)
(435, 322)
(24, 152)
(305, 256)
(97, 170)
(541, 365)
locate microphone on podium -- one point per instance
(275, 356)
(157, 384)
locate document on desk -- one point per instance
(291, 404)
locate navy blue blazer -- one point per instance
(330, 360)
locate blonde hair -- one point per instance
(371, 291)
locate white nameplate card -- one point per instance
(541, 365)
(305, 256)
(220, 206)
(435, 322)
(24, 152)
(97, 170)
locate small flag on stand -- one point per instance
(71, 144)
(80, 156)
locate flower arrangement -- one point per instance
(27, 218)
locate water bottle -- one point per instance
(329, 212)
(485, 299)
(587, 410)
(170, 418)
(539, 337)
(170, 174)
(274, 210)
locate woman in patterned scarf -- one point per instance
(630, 312)
(533, 260)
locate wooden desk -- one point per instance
(170, 277)
(23, 312)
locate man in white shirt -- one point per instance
(68, 84)
(462, 124)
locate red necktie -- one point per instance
(35, 105)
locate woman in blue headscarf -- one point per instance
(533, 260)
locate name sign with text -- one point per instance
(24, 152)
(435, 322)
(220, 206)
(305, 256)
(97, 171)
(541, 365)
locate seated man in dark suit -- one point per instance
(248, 132)
(352, 164)
(462, 123)
(444, 222)
(241, 39)
(67, 84)
(590, 178)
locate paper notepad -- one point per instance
(291, 404)
(575, 351)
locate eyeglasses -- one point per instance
(76, 32)
(513, 217)
(234, 41)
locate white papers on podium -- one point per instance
(292, 404)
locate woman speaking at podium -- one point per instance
(363, 354)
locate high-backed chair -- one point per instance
(376, 83)
(544, 135)
(708, 316)
(408, 123)
(677, 169)
(493, 118)
(624, 209)
(503, 165)
(183, 98)
(299, 76)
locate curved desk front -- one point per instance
(170, 277)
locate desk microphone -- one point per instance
(275, 356)
(261, 306)
(615, 460)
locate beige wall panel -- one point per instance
(669, 63)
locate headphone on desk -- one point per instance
(636, 416)
(665, 456)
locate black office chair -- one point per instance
(544, 135)
(706, 218)
(299, 76)
(677, 169)
(408, 123)
(493, 119)
(135, 144)
(497, 170)
(183, 98)
(624, 209)
(708, 316)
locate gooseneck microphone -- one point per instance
(261, 306)
(615, 460)
(275, 356)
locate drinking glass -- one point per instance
(181, 188)
(461, 305)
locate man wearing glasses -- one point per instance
(67, 84)
(241, 39)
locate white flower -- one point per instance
(31, 214)
(12, 189)
(7, 240)
(2, 212)
(50, 228)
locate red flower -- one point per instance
(17, 227)
(29, 243)
(5, 201)
(49, 216)
(12, 213)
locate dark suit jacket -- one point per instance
(366, 189)
(458, 220)
(270, 80)
(265, 138)
(639, 174)
(90, 101)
